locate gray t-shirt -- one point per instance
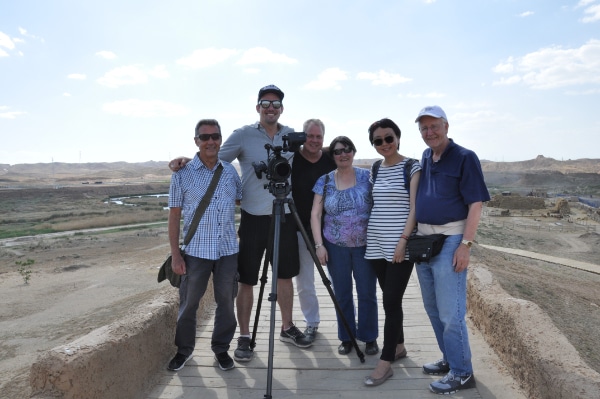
(247, 144)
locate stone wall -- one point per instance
(538, 355)
(118, 360)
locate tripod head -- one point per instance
(278, 169)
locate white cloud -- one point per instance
(593, 14)
(145, 109)
(383, 78)
(526, 14)
(206, 57)
(3, 53)
(109, 55)
(66, 94)
(5, 41)
(554, 67)
(77, 76)
(131, 75)
(583, 3)
(6, 114)
(261, 55)
(328, 79)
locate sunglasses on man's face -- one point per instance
(208, 136)
(388, 139)
(338, 151)
(266, 103)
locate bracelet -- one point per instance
(317, 246)
(404, 236)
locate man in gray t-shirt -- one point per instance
(247, 145)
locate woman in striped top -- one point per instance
(392, 221)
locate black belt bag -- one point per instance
(423, 248)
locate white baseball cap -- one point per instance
(432, 110)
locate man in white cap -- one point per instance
(449, 201)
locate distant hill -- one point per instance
(580, 175)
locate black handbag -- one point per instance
(423, 248)
(166, 271)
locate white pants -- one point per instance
(305, 285)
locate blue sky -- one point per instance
(109, 81)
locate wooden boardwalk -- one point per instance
(319, 371)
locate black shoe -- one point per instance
(372, 348)
(452, 383)
(295, 336)
(244, 352)
(225, 361)
(178, 362)
(345, 348)
(435, 368)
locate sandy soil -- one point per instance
(78, 283)
(83, 281)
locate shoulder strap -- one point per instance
(203, 204)
(375, 169)
(407, 168)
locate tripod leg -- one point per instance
(278, 211)
(263, 280)
(324, 278)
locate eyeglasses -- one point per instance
(388, 139)
(266, 103)
(433, 128)
(339, 151)
(208, 136)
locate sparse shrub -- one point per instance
(24, 270)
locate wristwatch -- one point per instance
(467, 243)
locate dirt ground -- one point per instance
(77, 284)
(82, 281)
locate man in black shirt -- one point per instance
(309, 163)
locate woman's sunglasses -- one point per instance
(388, 139)
(339, 151)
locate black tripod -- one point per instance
(280, 191)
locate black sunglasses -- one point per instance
(266, 103)
(388, 139)
(207, 136)
(339, 151)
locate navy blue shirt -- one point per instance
(448, 186)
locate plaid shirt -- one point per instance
(216, 235)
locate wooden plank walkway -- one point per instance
(319, 371)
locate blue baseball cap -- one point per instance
(270, 89)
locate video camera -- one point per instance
(278, 169)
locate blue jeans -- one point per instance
(343, 264)
(192, 289)
(445, 299)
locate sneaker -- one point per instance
(439, 367)
(178, 362)
(225, 361)
(295, 336)
(244, 352)
(311, 333)
(372, 348)
(452, 383)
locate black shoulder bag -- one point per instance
(166, 271)
(420, 248)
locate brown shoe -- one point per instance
(400, 355)
(373, 382)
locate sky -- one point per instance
(110, 81)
